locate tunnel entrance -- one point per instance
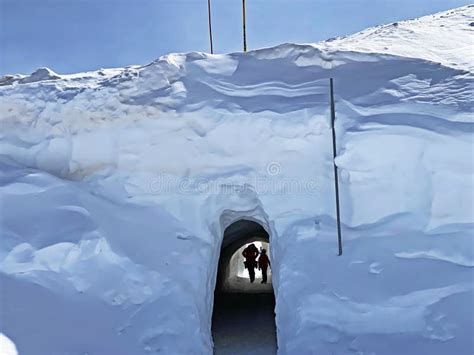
(243, 319)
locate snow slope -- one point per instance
(445, 37)
(117, 185)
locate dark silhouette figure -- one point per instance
(250, 254)
(263, 264)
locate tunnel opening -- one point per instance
(243, 319)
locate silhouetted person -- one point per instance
(263, 264)
(250, 254)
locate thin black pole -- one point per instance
(245, 30)
(336, 179)
(210, 24)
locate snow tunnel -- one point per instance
(243, 316)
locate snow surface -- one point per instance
(7, 347)
(445, 38)
(117, 186)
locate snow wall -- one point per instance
(117, 186)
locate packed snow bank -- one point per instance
(117, 187)
(90, 270)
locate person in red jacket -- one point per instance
(263, 264)
(250, 254)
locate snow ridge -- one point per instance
(445, 37)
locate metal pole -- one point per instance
(336, 179)
(210, 25)
(245, 32)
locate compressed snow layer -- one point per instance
(96, 264)
(119, 184)
(370, 300)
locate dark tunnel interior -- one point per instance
(243, 320)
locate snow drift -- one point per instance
(117, 186)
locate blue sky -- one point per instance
(76, 35)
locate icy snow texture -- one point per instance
(117, 185)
